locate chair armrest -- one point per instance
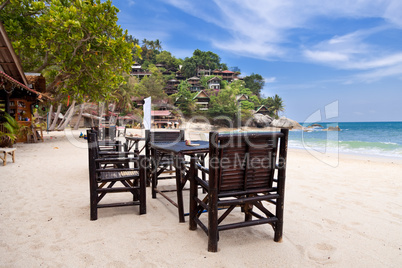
(115, 153)
(202, 168)
(109, 143)
(116, 160)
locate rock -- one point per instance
(333, 129)
(284, 122)
(261, 120)
(315, 125)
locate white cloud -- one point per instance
(297, 30)
(325, 56)
(270, 79)
(262, 23)
(378, 74)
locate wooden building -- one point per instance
(202, 100)
(16, 97)
(263, 110)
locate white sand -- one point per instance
(344, 216)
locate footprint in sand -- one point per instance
(321, 252)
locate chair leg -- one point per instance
(154, 172)
(213, 234)
(193, 195)
(247, 208)
(279, 224)
(143, 175)
(94, 209)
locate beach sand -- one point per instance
(343, 215)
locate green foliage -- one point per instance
(247, 105)
(205, 79)
(13, 131)
(122, 95)
(184, 99)
(207, 60)
(136, 50)
(77, 43)
(255, 83)
(152, 85)
(12, 127)
(166, 58)
(274, 105)
(149, 50)
(224, 104)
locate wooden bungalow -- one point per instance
(202, 100)
(214, 83)
(195, 84)
(136, 70)
(263, 110)
(226, 75)
(17, 98)
(241, 97)
(164, 119)
(169, 89)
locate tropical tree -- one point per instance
(149, 50)
(167, 59)
(224, 104)
(151, 85)
(208, 60)
(77, 44)
(122, 95)
(184, 99)
(276, 105)
(255, 83)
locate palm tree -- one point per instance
(123, 94)
(158, 45)
(277, 105)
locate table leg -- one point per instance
(193, 194)
(179, 187)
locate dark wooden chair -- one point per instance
(164, 168)
(107, 145)
(161, 136)
(109, 172)
(246, 170)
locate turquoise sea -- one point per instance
(365, 138)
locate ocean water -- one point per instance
(365, 138)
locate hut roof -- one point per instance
(9, 62)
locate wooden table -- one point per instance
(134, 142)
(177, 151)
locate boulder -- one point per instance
(284, 122)
(333, 129)
(315, 126)
(261, 120)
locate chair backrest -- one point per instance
(161, 136)
(93, 151)
(246, 161)
(164, 136)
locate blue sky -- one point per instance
(311, 53)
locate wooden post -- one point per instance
(56, 117)
(49, 117)
(67, 117)
(77, 124)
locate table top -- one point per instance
(134, 138)
(181, 147)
